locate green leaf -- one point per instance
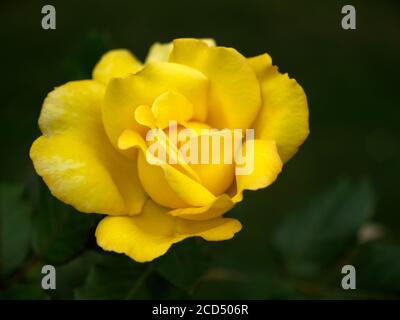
(15, 227)
(184, 265)
(24, 291)
(60, 232)
(26, 285)
(73, 274)
(69, 276)
(115, 277)
(378, 268)
(232, 284)
(311, 239)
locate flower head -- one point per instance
(189, 102)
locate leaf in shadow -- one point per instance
(73, 274)
(60, 232)
(230, 284)
(378, 267)
(26, 283)
(115, 277)
(311, 239)
(15, 227)
(185, 264)
(24, 291)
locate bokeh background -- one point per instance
(334, 203)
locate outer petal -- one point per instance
(266, 165)
(260, 63)
(161, 51)
(234, 90)
(150, 234)
(115, 63)
(75, 158)
(284, 114)
(124, 95)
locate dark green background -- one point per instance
(294, 240)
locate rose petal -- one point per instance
(115, 63)
(75, 157)
(284, 113)
(234, 97)
(149, 235)
(124, 95)
(264, 167)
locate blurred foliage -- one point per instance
(309, 247)
(59, 232)
(14, 245)
(287, 249)
(185, 265)
(329, 221)
(114, 277)
(379, 265)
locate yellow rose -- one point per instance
(92, 151)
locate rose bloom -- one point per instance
(92, 153)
